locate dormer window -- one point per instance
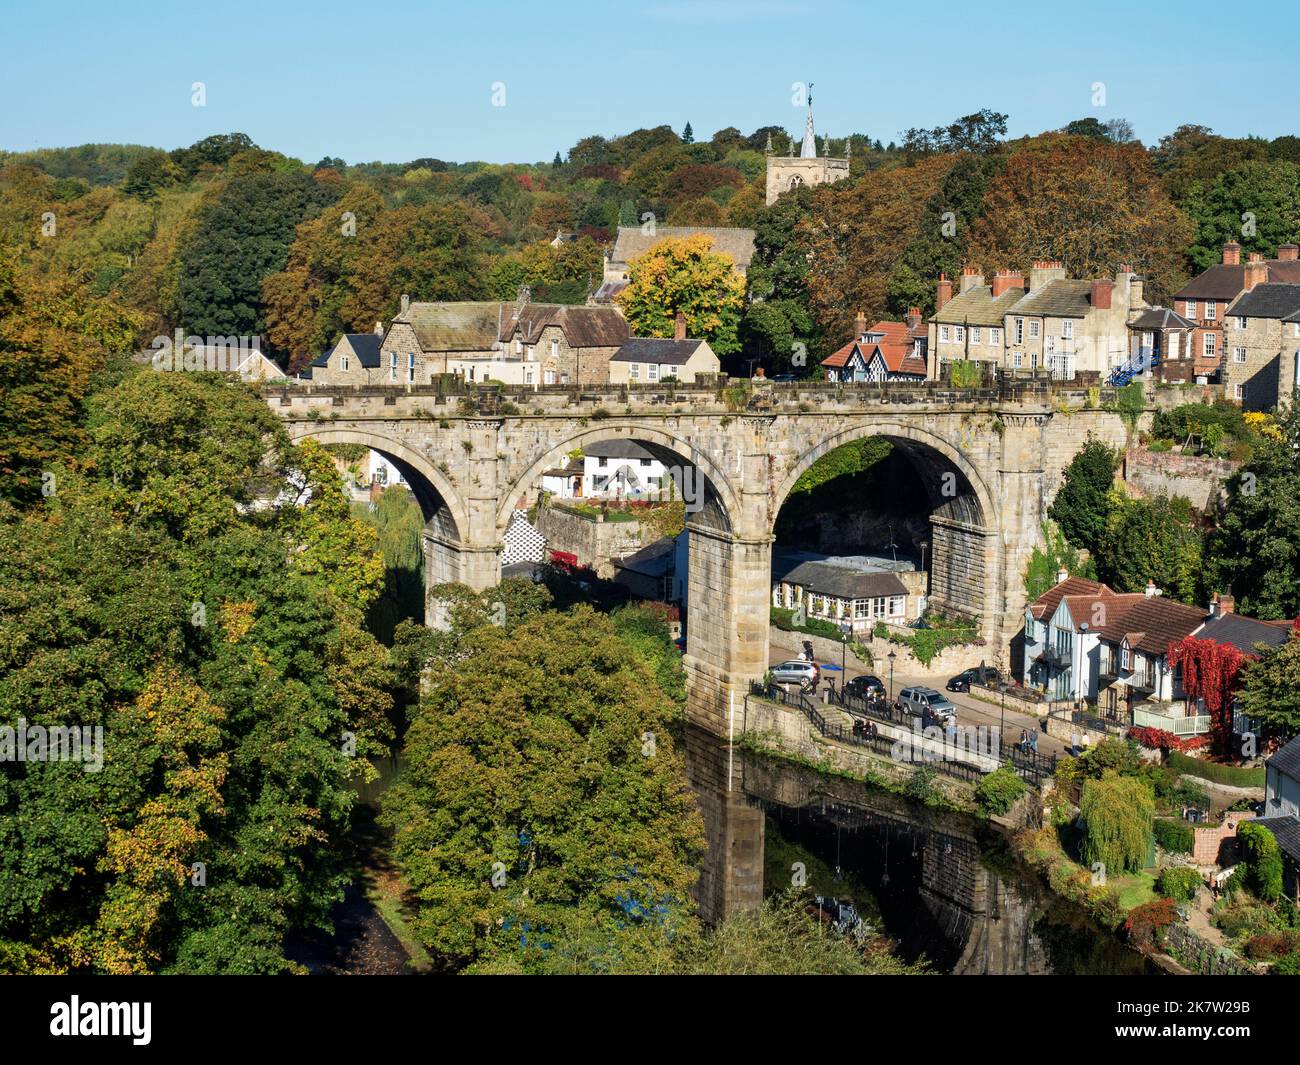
(519, 346)
(1125, 656)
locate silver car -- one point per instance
(805, 674)
(931, 706)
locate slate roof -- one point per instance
(1287, 832)
(584, 327)
(455, 326)
(1267, 301)
(1060, 299)
(1222, 282)
(631, 242)
(482, 325)
(1161, 318)
(1152, 624)
(976, 306)
(617, 449)
(825, 579)
(1243, 632)
(1287, 760)
(657, 350)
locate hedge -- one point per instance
(1179, 883)
(1231, 775)
(1174, 835)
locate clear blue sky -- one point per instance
(399, 80)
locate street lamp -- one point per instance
(891, 656)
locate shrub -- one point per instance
(1145, 923)
(1174, 835)
(1288, 966)
(1263, 861)
(1268, 945)
(999, 791)
(1179, 883)
(1233, 776)
(783, 619)
(1117, 815)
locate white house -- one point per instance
(622, 469)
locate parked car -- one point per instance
(932, 707)
(864, 687)
(963, 680)
(805, 674)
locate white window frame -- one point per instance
(345, 363)
(652, 372)
(634, 371)
(1067, 329)
(1189, 310)
(392, 366)
(959, 333)
(975, 335)
(1211, 310)
(1018, 325)
(1035, 329)
(555, 348)
(1209, 345)
(1238, 354)
(1241, 322)
(519, 346)
(410, 366)
(995, 336)
(1126, 659)
(897, 605)
(944, 334)
(1239, 391)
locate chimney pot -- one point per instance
(679, 326)
(1232, 254)
(1004, 280)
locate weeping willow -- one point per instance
(1117, 813)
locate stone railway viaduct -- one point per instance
(989, 459)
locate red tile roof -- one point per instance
(895, 348)
(1045, 605)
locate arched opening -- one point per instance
(621, 504)
(390, 465)
(882, 528)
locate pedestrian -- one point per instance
(1084, 747)
(1024, 740)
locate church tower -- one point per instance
(808, 168)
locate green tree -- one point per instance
(685, 275)
(1117, 813)
(1257, 205)
(1255, 550)
(1047, 561)
(1269, 690)
(1263, 861)
(531, 811)
(1152, 539)
(1083, 502)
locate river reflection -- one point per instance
(944, 886)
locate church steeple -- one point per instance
(809, 150)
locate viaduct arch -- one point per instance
(989, 465)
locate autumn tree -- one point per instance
(1090, 204)
(685, 274)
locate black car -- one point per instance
(864, 687)
(963, 680)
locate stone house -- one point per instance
(1205, 299)
(842, 594)
(1055, 323)
(518, 342)
(649, 360)
(888, 351)
(1162, 339)
(1261, 337)
(353, 360)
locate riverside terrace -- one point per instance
(989, 459)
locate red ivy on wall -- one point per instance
(1211, 671)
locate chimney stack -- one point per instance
(1044, 272)
(1227, 603)
(679, 326)
(942, 293)
(1005, 280)
(1256, 272)
(1151, 590)
(379, 329)
(1102, 288)
(1288, 253)
(859, 325)
(1062, 574)
(970, 278)
(913, 319)
(406, 303)
(1232, 254)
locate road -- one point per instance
(784, 646)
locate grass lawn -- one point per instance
(1134, 888)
